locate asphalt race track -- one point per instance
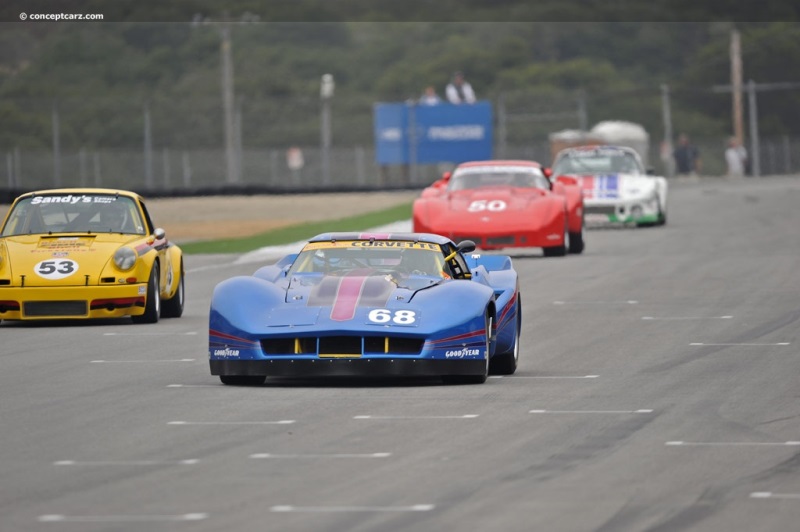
(658, 389)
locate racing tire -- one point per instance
(576, 244)
(152, 307)
(559, 251)
(475, 379)
(506, 363)
(243, 380)
(173, 307)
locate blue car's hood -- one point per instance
(345, 293)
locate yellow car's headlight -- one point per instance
(125, 258)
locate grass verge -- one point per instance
(299, 232)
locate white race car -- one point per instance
(616, 187)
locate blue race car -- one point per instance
(357, 304)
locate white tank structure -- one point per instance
(621, 133)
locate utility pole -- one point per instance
(755, 148)
(232, 160)
(736, 84)
(327, 87)
(666, 113)
(231, 164)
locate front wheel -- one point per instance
(576, 244)
(559, 251)
(243, 380)
(173, 307)
(152, 307)
(662, 218)
(506, 363)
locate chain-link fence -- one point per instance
(160, 146)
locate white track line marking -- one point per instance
(626, 302)
(543, 376)
(722, 443)
(195, 386)
(55, 518)
(210, 267)
(703, 344)
(140, 361)
(642, 411)
(770, 495)
(466, 416)
(125, 463)
(281, 422)
(653, 318)
(368, 455)
(150, 334)
(414, 508)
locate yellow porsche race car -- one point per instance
(87, 253)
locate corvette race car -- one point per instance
(616, 187)
(87, 253)
(503, 204)
(354, 304)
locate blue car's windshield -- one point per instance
(368, 258)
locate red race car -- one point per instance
(503, 204)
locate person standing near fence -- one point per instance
(429, 96)
(687, 157)
(459, 90)
(735, 158)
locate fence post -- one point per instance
(56, 147)
(10, 167)
(82, 164)
(17, 168)
(360, 170)
(187, 170)
(502, 126)
(97, 175)
(273, 166)
(165, 155)
(787, 155)
(148, 149)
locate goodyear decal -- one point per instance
(464, 352)
(600, 186)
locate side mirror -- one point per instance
(651, 170)
(446, 176)
(159, 233)
(466, 246)
(548, 172)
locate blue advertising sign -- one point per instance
(424, 134)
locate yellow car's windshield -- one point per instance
(74, 213)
